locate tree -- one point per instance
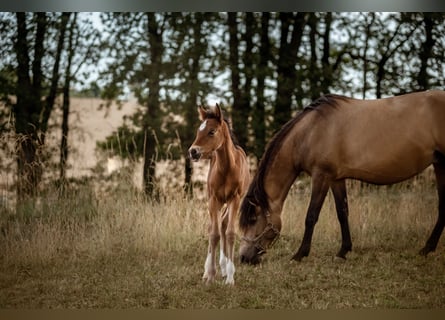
(293, 24)
(192, 62)
(136, 43)
(259, 111)
(66, 103)
(238, 111)
(326, 54)
(81, 50)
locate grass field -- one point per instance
(91, 249)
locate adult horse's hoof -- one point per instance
(424, 252)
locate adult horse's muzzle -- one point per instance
(251, 255)
(251, 251)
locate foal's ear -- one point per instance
(218, 113)
(202, 113)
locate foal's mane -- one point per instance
(256, 195)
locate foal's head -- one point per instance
(211, 133)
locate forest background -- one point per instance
(263, 67)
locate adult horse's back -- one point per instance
(227, 182)
(335, 138)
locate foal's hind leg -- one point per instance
(341, 205)
(233, 207)
(223, 242)
(431, 244)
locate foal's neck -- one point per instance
(225, 155)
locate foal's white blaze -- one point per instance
(203, 125)
(222, 262)
(230, 272)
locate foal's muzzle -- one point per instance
(194, 154)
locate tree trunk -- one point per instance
(28, 106)
(365, 54)
(151, 121)
(327, 70)
(190, 113)
(287, 60)
(51, 98)
(242, 131)
(239, 123)
(259, 116)
(66, 106)
(314, 75)
(426, 52)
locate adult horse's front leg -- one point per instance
(341, 204)
(230, 239)
(320, 187)
(214, 236)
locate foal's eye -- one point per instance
(212, 132)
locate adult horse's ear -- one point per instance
(218, 113)
(202, 113)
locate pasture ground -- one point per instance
(90, 249)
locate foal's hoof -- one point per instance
(206, 279)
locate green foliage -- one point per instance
(367, 54)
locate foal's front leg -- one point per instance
(214, 236)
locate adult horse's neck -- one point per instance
(281, 173)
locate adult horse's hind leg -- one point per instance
(341, 205)
(431, 244)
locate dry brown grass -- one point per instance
(93, 249)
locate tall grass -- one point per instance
(80, 222)
(113, 248)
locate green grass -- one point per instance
(115, 250)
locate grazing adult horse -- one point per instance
(335, 138)
(227, 181)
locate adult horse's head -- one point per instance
(259, 225)
(210, 135)
(260, 211)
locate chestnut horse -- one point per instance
(227, 182)
(335, 138)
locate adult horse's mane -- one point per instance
(210, 114)
(256, 195)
